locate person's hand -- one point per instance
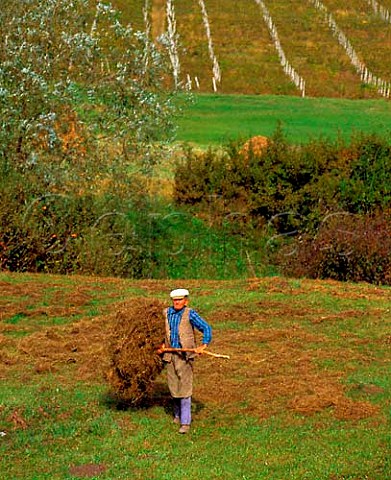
(200, 348)
(161, 349)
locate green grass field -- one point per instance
(306, 393)
(215, 119)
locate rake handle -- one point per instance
(192, 350)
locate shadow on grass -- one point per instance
(160, 397)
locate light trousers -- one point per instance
(182, 410)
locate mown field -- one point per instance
(306, 393)
(237, 36)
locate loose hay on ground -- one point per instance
(138, 330)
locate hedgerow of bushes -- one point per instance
(290, 193)
(105, 224)
(346, 248)
(63, 227)
(320, 210)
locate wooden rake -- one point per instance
(192, 350)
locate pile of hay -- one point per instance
(255, 145)
(138, 330)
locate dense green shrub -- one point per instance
(313, 192)
(197, 179)
(55, 232)
(346, 248)
(111, 231)
(367, 186)
(291, 187)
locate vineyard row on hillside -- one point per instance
(314, 48)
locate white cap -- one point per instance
(179, 293)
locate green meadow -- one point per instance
(216, 119)
(305, 394)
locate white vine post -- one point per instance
(100, 9)
(173, 41)
(215, 64)
(147, 24)
(380, 10)
(288, 69)
(383, 87)
(94, 22)
(188, 82)
(94, 25)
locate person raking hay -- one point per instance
(180, 323)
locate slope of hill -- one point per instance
(256, 45)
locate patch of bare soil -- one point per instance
(88, 470)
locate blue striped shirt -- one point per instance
(174, 319)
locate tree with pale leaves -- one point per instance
(72, 66)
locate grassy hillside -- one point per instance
(246, 51)
(305, 395)
(214, 119)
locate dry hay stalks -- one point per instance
(137, 332)
(77, 352)
(255, 146)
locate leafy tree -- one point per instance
(71, 68)
(82, 112)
